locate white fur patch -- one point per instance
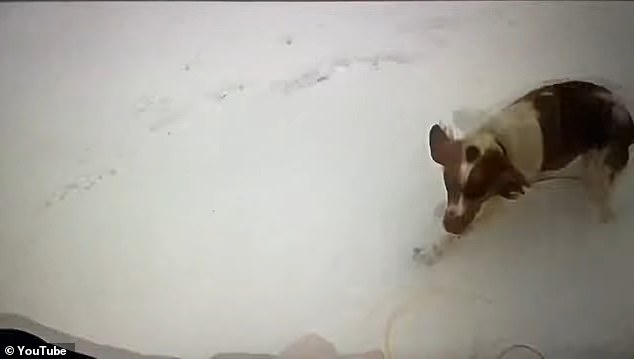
(517, 129)
(465, 170)
(456, 209)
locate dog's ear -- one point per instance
(511, 183)
(440, 144)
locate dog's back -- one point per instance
(576, 117)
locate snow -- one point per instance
(190, 178)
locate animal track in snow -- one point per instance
(227, 91)
(326, 72)
(80, 184)
(161, 112)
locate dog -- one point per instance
(542, 131)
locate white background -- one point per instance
(192, 178)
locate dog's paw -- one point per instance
(428, 255)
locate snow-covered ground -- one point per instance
(190, 178)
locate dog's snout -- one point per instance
(453, 223)
(456, 221)
(451, 212)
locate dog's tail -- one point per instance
(631, 133)
(626, 117)
(628, 124)
(622, 128)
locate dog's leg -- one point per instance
(596, 180)
(601, 170)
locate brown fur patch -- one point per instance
(494, 175)
(575, 117)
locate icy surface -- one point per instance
(186, 179)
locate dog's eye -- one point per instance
(472, 153)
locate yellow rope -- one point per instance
(415, 302)
(523, 346)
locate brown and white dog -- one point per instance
(543, 131)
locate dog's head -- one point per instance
(475, 169)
